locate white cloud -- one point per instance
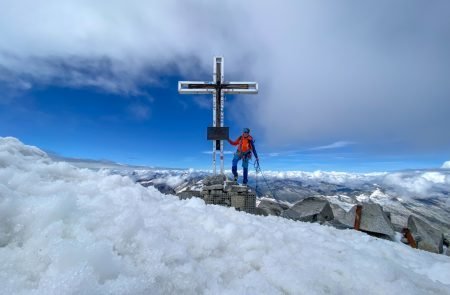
(446, 165)
(334, 145)
(380, 82)
(171, 180)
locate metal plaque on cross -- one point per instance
(218, 87)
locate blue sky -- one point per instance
(349, 87)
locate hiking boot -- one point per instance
(235, 178)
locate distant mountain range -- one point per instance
(424, 193)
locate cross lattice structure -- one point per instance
(218, 88)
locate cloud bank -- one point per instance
(372, 73)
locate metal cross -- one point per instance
(217, 88)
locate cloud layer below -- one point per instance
(376, 74)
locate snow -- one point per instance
(69, 230)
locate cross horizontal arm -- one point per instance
(240, 87)
(196, 87)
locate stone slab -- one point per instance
(310, 210)
(272, 207)
(427, 237)
(189, 194)
(239, 188)
(213, 187)
(214, 179)
(373, 221)
(245, 203)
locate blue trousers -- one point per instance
(244, 157)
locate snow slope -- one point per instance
(69, 230)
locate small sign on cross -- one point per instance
(218, 87)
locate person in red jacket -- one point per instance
(246, 146)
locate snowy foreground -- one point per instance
(66, 230)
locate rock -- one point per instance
(447, 240)
(430, 239)
(165, 189)
(339, 215)
(244, 202)
(187, 194)
(259, 211)
(337, 224)
(213, 187)
(373, 221)
(397, 227)
(212, 200)
(217, 190)
(448, 252)
(239, 189)
(214, 179)
(229, 184)
(338, 212)
(311, 210)
(271, 207)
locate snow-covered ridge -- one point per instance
(69, 230)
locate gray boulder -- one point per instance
(214, 179)
(268, 207)
(310, 210)
(187, 194)
(259, 211)
(338, 212)
(164, 188)
(339, 215)
(374, 221)
(244, 202)
(238, 189)
(213, 187)
(229, 185)
(427, 237)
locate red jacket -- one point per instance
(245, 144)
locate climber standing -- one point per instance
(246, 146)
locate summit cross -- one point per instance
(218, 87)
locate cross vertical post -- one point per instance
(218, 87)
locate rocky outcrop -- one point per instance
(268, 207)
(373, 221)
(164, 188)
(310, 210)
(427, 237)
(218, 191)
(187, 194)
(214, 180)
